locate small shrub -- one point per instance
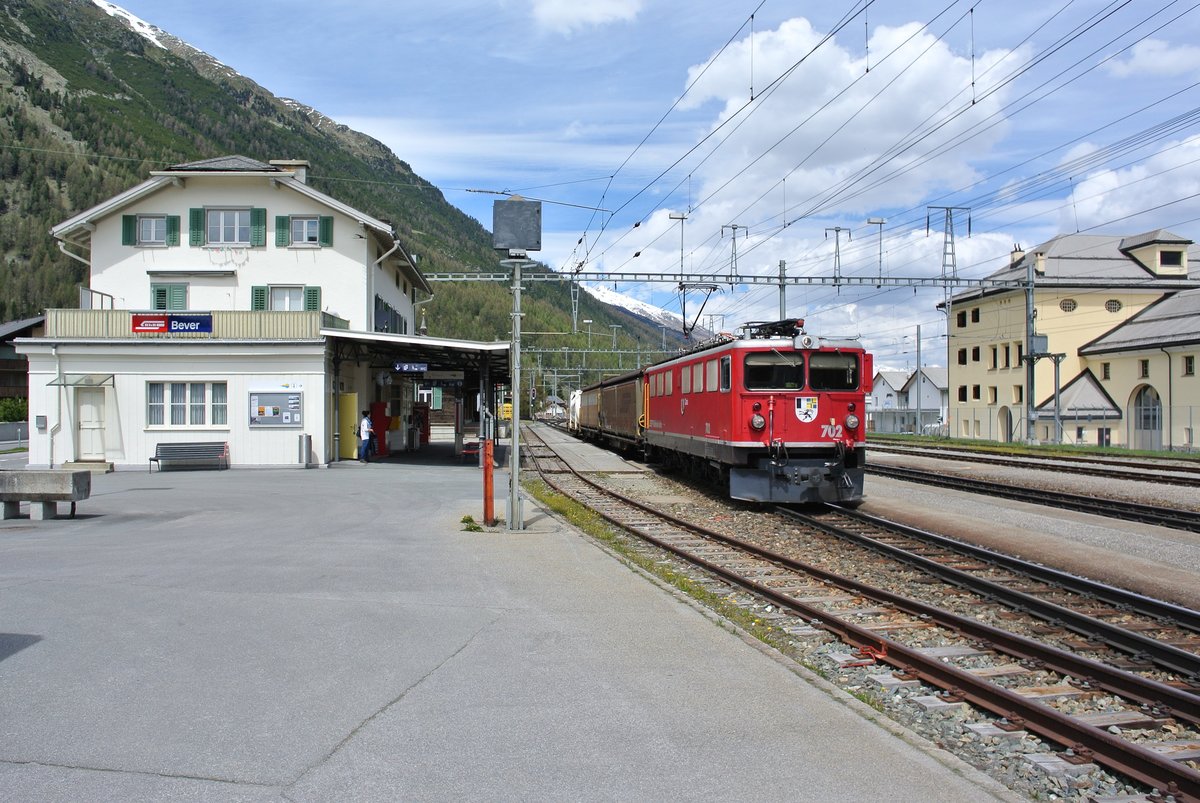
(14, 410)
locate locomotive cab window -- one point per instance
(830, 371)
(774, 371)
(726, 373)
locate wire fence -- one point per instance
(1175, 428)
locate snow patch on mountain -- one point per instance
(148, 31)
(672, 320)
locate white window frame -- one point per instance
(219, 220)
(157, 235)
(310, 233)
(172, 404)
(291, 289)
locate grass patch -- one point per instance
(470, 525)
(627, 545)
(1040, 450)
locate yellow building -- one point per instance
(1087, 290)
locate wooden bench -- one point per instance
(43, 490)
(212, 454)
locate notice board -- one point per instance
(276, 409)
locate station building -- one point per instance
(1119, 315)
(227, 300)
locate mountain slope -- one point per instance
(92, 101)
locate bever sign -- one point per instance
(172, 323)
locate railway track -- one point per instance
(1173, 472)
(1108, 508)
(1012, 676)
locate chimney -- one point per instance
(1039, 265)
(297, 166)
(1016, 256)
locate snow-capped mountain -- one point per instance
(657, 315)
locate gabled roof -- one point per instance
(895, 379)
(938, 377)
(1082, 397)
(1170, 321)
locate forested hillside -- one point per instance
(88, 107)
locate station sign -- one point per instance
(164, 322)
(410, 367)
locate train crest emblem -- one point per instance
(806, 408)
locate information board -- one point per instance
(276, 409)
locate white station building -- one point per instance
(228, 301)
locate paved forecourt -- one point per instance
(336, 634)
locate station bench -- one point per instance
(43, 490)
(470, 449)
(211, 454)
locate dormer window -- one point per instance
(1170, 259)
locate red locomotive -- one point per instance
(776, 414)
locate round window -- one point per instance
(1067, 305)
(1112, 305)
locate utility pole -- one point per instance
(733, 266)
(615, 327)
(837, 252)
(680, 217)
(949, 277)
(879, 221)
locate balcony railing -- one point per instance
(226, 324)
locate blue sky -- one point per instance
(786, 120)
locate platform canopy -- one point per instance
(383, 350)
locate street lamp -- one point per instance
(588, 322)
(615, 327)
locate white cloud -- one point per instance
(568, 16)
(1154, 57)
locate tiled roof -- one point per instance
(11, 328)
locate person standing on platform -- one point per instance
(365, 431)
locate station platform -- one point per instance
(338, 635)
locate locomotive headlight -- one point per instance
(852, 421)
(757, 422)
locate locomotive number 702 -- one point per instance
(831, 431)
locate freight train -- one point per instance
(775, 415)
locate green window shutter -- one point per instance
(325, 231)
(195, 227)
(258, 226)
(172, 229)
(158, 296)
(177, 296)
(312, 298)
(128, 229)
(258, 297)
(283, 233)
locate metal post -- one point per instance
(782, 289)
(1031, 364)
(917, 430)
(1058, 358)
(515, 519)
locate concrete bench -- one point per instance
(43, 490)
(212, 454)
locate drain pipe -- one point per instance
(1170, 402)
(58, 390)
(63, 247)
